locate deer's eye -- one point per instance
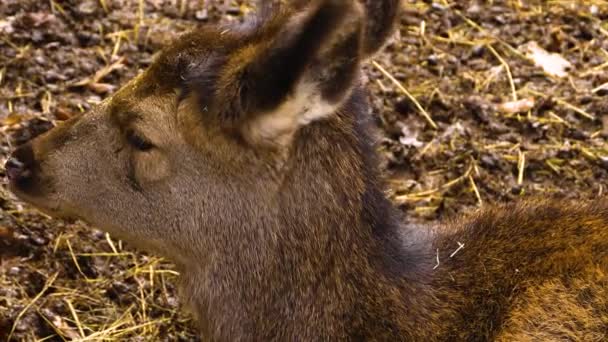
(138, 142)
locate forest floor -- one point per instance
(475, 102)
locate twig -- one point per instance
(111, 243)
(437, 256)
(442, 187)
(601, 87)
(104, 5)
(563, 103)
(48, 284)
(407, 93)
(75, 260)
(76, 319)
(460, 246)
(521, 166)
(474, 186)
(141, 12)
(507, 68)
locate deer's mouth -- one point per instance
(37, 192)
(36, 201)
(28, 185)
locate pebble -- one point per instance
(202, 15)
(604, 162)
(87, 7)
(13, 271)
(39, 241)
(5, 233)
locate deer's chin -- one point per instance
(58, 214)
(44, 205)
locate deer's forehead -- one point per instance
(138, 101)
(193, 63)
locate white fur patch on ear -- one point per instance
(278, 126)
(312, 106)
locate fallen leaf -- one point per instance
(410, 138)
(101, 88)
(61, 325)
(101, 73)
(5, 232)
(40, 18)
(63, 113)
(519, 106)
(12, 119)
(552, 63)
(6, 26)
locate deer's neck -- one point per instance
(329, 255)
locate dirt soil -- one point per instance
(499, 127)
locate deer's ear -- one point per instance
(297, 69)
(381, 18)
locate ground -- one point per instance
(466, 118)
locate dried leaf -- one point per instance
(552, 63)
(12, 119)
(101, 88)
(40, 18)
(63, 113)
(519, 106)
(100, 74)
(410, 138)
(5, 232)
(61, 325)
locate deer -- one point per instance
(245, 155)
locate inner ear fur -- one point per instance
(380, 20)
(296, 69)
(295, 47)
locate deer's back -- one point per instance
(537, 269)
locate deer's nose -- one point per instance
(18, 166)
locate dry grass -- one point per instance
(443, 77)
(494, 84)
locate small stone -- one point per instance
(202, 15)
(87, 7)
(489, 161)
(13, 271)
(98, 234)
(605, 125)
(594, 10)
(478, 50)
(517, 190)
(5, 233)
(39, 241)
(233, 10)
(604, 162)
(437, 7)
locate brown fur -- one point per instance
(244, 155)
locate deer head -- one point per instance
(236, 145)
(203, 138)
